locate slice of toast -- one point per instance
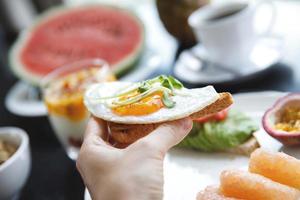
(224, 101)
(129, 133)
(246, 148)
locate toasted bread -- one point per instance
(246, 148)
(129, 133)
(224, 101)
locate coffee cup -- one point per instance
(227, 30)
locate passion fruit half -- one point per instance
(282, 120)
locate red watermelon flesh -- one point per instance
(92, 32)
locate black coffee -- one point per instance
(223, 15)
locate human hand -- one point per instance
(135, 172)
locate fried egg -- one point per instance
(148, 110)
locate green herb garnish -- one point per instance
(144, 87)
(166, 83)
(169, 82)
(163, 83)
(175, 83)
(167, 101)
(140, 96)
(156, 84)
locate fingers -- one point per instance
(167, 135)
(94, 145)
(96, 131)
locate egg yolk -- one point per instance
(148, 105)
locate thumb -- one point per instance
(96, 132)
(167, 135)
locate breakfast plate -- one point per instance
(187, 172)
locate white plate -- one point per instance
(187, 172)
(23, 100)
(192, 66)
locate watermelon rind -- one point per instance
(20, 70)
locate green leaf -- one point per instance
(167, 101)
(219, 136)
(166, 83)
(144, 87)
(175, 83)
(161, 78)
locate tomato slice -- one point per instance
(220, 116)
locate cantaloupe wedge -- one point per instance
(213, 193)
(245, 185)
(279, 167)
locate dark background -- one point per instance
(54, 175)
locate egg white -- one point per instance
(191, 101)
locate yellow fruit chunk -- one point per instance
(279, 167)
(64, 95)
(212, 193)
(245, 185)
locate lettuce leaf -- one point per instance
(236, 129)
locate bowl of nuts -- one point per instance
(15, 161)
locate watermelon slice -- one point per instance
(64, 35)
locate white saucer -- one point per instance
(24, 100)
(192, 68)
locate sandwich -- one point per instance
(133, 110)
